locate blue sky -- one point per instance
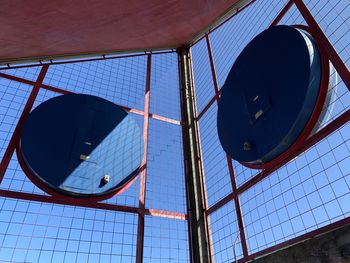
(310, 192)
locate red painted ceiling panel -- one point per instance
(39, 28)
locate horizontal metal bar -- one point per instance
(68, 59)
(166, 214)
(206, 108)
(66, 201)
(221, 203)
(57, 90)
(14, 78)
(89, 204)
(165, 119)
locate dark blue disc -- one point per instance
(269, 95)
(81, 145)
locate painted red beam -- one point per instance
(238, 209)
(165, 119)
(57, 90)
(282, 13)
(66, 201)
(70, 61)
(212, 66)
(14, 78)
(88, 204)
(16, 134)
(214, 79)
(142, 197)
(294, 241)
(220, 203)
(166, 214)
(320, 135)
(319, 36)
(206, 108)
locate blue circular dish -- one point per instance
(269, 95)
(81, 145)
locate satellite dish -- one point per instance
(270, 95)
(81, 146)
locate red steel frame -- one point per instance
(141, 223)
(91, 202)
(329, 52)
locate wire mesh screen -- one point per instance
(307, 193)
(250, 212)
(38, 227)
(39, 232)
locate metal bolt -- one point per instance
(247, 146)
(106, 178)
(84, 157)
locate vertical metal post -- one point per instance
(200, 239)
(16, 134)
(282, 13)
(142, 199)
(229, 162)
(239, 214)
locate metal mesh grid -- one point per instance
(130, 197)
(165, 240)
(333, 17)
(12, 98)
(165, 86)
(16, 180)
(121, 80)
(82, 233)
(309, 192)
(26, 73)
(225, 234)
(217, 178)
(201, 74)
(229, 40)
(38, 232)
(165, 171)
